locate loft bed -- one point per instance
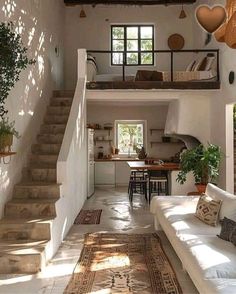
(201, 73)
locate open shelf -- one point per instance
(5, 154)
(170, 143)
(156, 130)
(102, 141)
(104, 130)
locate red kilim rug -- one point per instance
(122, 263)
(88, 217)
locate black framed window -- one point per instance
(133, 43)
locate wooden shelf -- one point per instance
(109, 141)
(5, 154)
(156, 130)
(104, 130)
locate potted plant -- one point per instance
(13, 60)
(204, 162)
(7, 131)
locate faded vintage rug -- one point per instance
(88, 217)
(123, 263)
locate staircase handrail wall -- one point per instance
(72, 160)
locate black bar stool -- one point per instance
(137, 184)
(158, 183)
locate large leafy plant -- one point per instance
(13, 60)
(203, 161)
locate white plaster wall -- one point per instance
(221, 117)
(154, 115)
(41, 24)
(93, 32)
(190, 116)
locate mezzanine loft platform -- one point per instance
(176, 80)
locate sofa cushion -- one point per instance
(228, 207)
(227, 227)
(232, 237)
(208, 210)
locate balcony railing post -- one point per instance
(172, 65)
(123, 67)
(218, 65)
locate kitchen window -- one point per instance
(129, 136)
(135, 41)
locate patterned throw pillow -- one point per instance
(208, 210)
(227, 226)
(232, 236)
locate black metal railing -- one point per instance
(172, 54)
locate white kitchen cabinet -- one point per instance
(122, 173)
(105, 173)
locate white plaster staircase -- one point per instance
(26, 229)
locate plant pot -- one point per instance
(201, 188)
(6, 142)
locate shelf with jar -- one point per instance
(107, 127)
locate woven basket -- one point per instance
(230, 8)
(230, 34)
(6, 142)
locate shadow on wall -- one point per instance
(28, 100)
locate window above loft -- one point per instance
(130, 134)
(133, 44)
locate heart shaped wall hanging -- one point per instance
(210, 18)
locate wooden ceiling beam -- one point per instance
(128, 2)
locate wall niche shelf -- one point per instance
(102, 141)
(104, 130)
(170, 143)
(156, 130)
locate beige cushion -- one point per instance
(208, 210)
(228, 207)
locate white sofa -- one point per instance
(209, 260)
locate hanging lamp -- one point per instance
(82, 13)
(182, 13)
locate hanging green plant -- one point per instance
(7, 131)
(13, 59)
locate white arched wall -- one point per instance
(229, 130)
(190, 116)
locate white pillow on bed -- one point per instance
(210, 61)
(198, 64)
(191, 65)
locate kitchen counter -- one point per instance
(142, 166)
(117, 159)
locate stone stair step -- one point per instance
(61, 101)
(35, 174)
(46, 148)
(56, 119)
(63, 93)
(58, 110)
(50, 158)
(53, 129)
(36, 190)
(26, 208)
(50, 138)
(20, 257)
(25, 229)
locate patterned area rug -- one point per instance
(88, 217)
(123, 263)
